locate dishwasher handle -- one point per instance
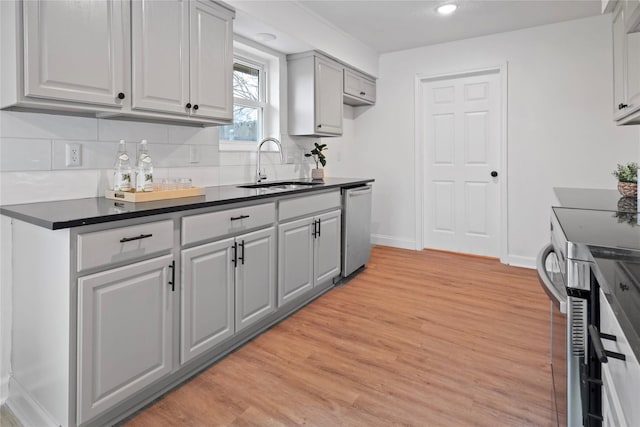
(359, 191)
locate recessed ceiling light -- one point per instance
(447, 9)
(264, 37)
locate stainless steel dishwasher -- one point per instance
(356, 228)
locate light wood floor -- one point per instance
(419, 338)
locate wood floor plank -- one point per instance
(418, 338)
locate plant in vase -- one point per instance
(627, 179)
(319, 158)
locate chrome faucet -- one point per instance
(260, 175)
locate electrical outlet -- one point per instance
(73, 154)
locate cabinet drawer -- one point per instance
(123, 244)
(625, 374)
(207, 226)
(300, 206)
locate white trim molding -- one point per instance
(501, 69)
(395, 242)
(521, 261)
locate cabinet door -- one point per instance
(328, 97)
(124, 333)
(295, 259)
(619, 42)
(327, 247)
(351, 83)
(160, 55)
(207, 297)
(633, 71)
(255, 277)
(60, 65)
(369, 90)
(211, 59)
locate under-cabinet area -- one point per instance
(133, 307)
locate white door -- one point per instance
(295, 259)
(61, 66)
(124, 333)
(462, 135)
(207, 297)
(328, 97)
(327, 247)
(160, 55)
(211, 38)
(255, 277)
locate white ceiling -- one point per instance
(388, 26)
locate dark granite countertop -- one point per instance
(95, 210)
(620, 282)
(607, 225)
(596, 199)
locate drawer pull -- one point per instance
(129, 239)
(235, 218)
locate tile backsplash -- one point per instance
(32, 155)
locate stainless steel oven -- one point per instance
(553, 284)
(564, 269)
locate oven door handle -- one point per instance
(547, 284)
(602, 354)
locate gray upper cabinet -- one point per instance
(182, 58)
(626, 67)
(255, 277)
(75, 51)
(153, 60)
(359, 89)
(159, 55)
(124, 333)
(315, 95)
(207, 312)
(211, 60)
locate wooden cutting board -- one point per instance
(150, 196)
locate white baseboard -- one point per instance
(4, 389)
(521, 261)
(26, 410)
(380, 239)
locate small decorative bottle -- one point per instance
(144, 169)
(122, 174)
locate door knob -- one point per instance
(494, 174)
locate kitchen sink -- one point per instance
(282, 185)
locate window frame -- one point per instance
(262, 65)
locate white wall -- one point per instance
(560, 131)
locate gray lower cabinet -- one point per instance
(255, 277)
(308, 254)
(227, 286)
(124, 333)
(295, 259)
(327, 247)
(207, 312)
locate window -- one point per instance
(248, 103)
(256, 97)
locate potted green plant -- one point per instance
(319, 158)
(627, 179)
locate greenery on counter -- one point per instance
(318, 155)
(627, 173)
